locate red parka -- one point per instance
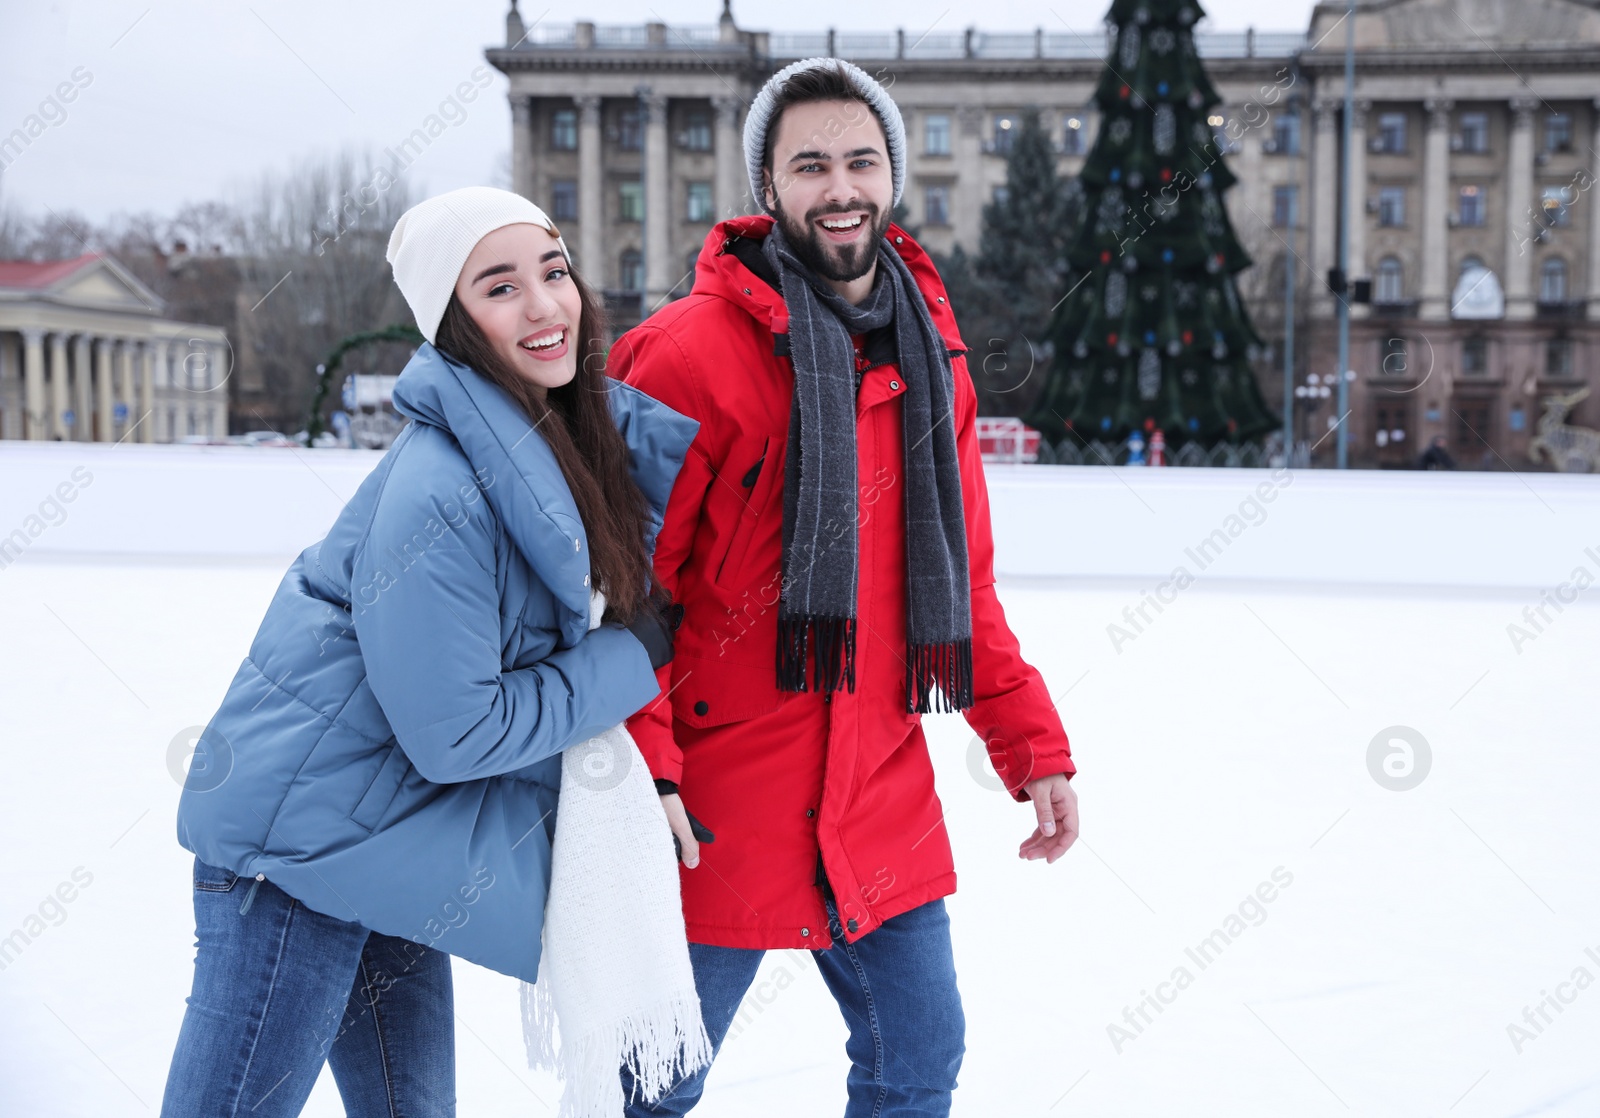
(783, 777)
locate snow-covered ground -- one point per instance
(1232, 745)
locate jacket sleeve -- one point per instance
(1012, 710)
(648, 358)
(427, 615)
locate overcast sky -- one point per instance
(187, 100)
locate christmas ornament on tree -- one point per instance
(1153, 335)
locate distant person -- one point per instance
(1436, 457)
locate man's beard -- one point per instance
(840, 263)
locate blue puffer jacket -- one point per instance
(389, 751)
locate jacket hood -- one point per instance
(518, 471)
(719, 272)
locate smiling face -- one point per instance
(515, 285)
(831, 185)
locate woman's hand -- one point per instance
(687, 831)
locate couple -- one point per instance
(737, 558)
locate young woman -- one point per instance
(377, 790)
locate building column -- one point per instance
(659, 267)
(216, 389)
(124, 389)
(1356, 204)
(732, 188)
(83, 389)
(522, 145)
(1323, 203)
(1436, 210)
(147, 392)
(1593, 290)
(967, 154)
(60, 388)
(591, 199)
(161, 354)
(36, 411)
(105, 422)
(1521, 221)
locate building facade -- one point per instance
(87, 355)
(1475, 145)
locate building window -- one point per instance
(1475, 355)
(1006, 127)
(1394, 357)
(700, 205)
(1558, 132)
(1558, 357)
(936, 134)
(936, 204)
(1554, 202)
(631, 273)
(1285, 135)
(1392, 205)
(1553, 281)
(1072, 136)
(1391, 133)
(630, 200)
(630, 129)
(1286, 206)
(564, 130)
(1474, 134)
(1389, 288)
(1469, 206)
(696, 134)
(563, 200)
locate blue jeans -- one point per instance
(896, 987)
(279, 989)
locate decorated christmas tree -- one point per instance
(1152, 335)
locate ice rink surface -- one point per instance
(1256, 921)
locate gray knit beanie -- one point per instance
(759, 119)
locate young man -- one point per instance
(828, 541)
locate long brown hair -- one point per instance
(575, 420)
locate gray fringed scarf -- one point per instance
(817, 603)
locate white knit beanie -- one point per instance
(759, 119)
(432, 240)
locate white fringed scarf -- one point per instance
(615, 972)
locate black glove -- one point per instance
(698, 829)
(654, 632)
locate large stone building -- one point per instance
(87, 354)
(1476, 140)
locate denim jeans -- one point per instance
(896, 987)
(279, 989)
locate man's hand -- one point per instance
(1056, 805)
(687, 831)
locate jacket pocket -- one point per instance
(715, 692)
(213, 879)
(756, 482)
(381, 792)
